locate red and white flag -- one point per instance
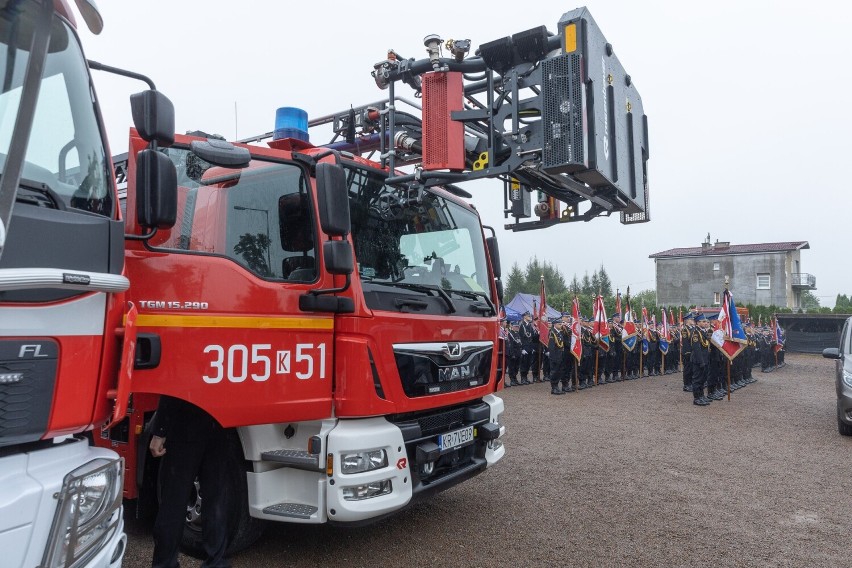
(576, 331)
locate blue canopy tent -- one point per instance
(524, 303)
(512, 315)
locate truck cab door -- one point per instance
(221, 290)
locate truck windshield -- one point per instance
(414, 237)
(66, 160)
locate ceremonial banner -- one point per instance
(779, 337)
(664, 336)
(576, 330)
(601, 327)
(732, 339)
(628, 332)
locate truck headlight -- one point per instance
(87, 514)
(847, 378)
(359, 462)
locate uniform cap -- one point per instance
(699, 317)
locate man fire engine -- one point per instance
(61, 286)
(336, 313)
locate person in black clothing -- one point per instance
(615, 357)
(529, 344)
(190, 443)
(686, 346)
(653, 360)
(513, 354)
(700, 359)
(558, 362)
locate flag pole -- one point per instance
(729, 380)
(728, 299)
(774, 349)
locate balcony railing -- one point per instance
(803, 280)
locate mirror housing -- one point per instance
(154, 117)
(494, 253)
(156, 190)
(499, 285)
(221, 153)
(337, 257)
(333, 200)
(831, 353)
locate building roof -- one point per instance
(727, 249)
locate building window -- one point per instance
(716, 299)
(763, 281)
(716, 266)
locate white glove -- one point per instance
(523, 351)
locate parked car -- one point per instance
(843, 378)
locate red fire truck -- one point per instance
(61, 294)
(335, 306)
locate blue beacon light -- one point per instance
(291, 122)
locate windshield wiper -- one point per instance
(473, 295)
(425, 288)
(45, 190)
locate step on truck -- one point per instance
(335, 305)
(62, 305)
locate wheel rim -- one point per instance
(193, 508)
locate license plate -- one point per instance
(456, 439)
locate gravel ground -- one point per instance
(628, 474)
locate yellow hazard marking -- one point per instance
(570, 38)
(151, 320)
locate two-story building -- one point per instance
(762, 274)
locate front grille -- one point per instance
(427, 369)
(27, 376)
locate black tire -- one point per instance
(243, 530)
(844, 428)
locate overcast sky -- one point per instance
(747, 104)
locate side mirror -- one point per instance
(333, 197)
(499, 285)
(154, 117)
(156, 190)
(831, 353)
(221, 153)
(494, 253)
(338, 257)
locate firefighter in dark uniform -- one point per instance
(653, 361)
(514, 347)
(570, 361)
(686, 346)
(700, 358)
(749, 353)
(529, 344)
(191, 444)
(558, 363)
(673, 358)
(766, 356)
(587, 361)
(716, 369)
(615, 357)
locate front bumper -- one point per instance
(416, 469)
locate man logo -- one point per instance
(452, 351)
